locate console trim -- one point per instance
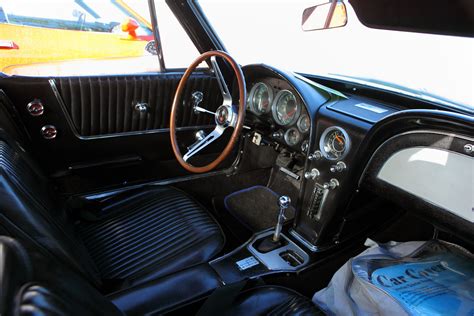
(302, 240)
(272, 260)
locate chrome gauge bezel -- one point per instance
(251, 97)
(275, 106)
(286, 137)
(298, 123)
(322, 143)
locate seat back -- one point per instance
(27, 211)
(45, 287)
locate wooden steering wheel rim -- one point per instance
(240, 116)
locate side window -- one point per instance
(178, 49)
(88, 37)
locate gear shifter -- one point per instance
(283, 202)
(270, 243)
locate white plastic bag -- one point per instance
(411, 278)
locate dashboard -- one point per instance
(276, 110)
(274, 103)
(279, 112)
(331, 136)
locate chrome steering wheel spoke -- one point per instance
(200, 145)
(227, 97)
(198, 109)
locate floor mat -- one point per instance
(256, 207)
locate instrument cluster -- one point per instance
(287, 113)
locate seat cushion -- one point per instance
(149, 234)
(267, 300)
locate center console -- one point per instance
(270, 251)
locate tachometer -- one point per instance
(260, 98)
(285, 108)
(334, 143)
(303, 123)
(292, 136)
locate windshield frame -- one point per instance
(393, 87)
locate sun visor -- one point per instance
(454, 17)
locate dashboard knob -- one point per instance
(277, 134)
(339, 167)
(331, 185)
(313, 174)
(316, 155)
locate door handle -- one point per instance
(141, 108)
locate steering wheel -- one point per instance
(227, 115)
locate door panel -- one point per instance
(102, 142)
(106, 105)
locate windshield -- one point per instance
(438, 68)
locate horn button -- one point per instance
(223, 116)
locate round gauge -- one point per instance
(260, 98)
(292, 136)
(285, 108)
(303, 123)
(334, 143)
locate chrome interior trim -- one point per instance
(302, 240)
(104, 194)
(70, 123)
(272, 259)
(226, 96)
(201, 144)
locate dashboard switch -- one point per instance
(332, 184)
(339, 167)
(316, 155)
(313, 174)
(278, 134)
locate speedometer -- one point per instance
(334, 143)
(261, 97)
(285, 108)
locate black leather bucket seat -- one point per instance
(136, 236)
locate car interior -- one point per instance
(233, 190)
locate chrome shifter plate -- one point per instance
(273, 260)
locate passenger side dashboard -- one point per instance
(345, 134)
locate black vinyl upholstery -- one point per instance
(33, 284)
(138, 236)
(274, 301)
(150, 233)
(104, 105)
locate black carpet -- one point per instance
(256, 207)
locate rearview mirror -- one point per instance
(324, 16)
